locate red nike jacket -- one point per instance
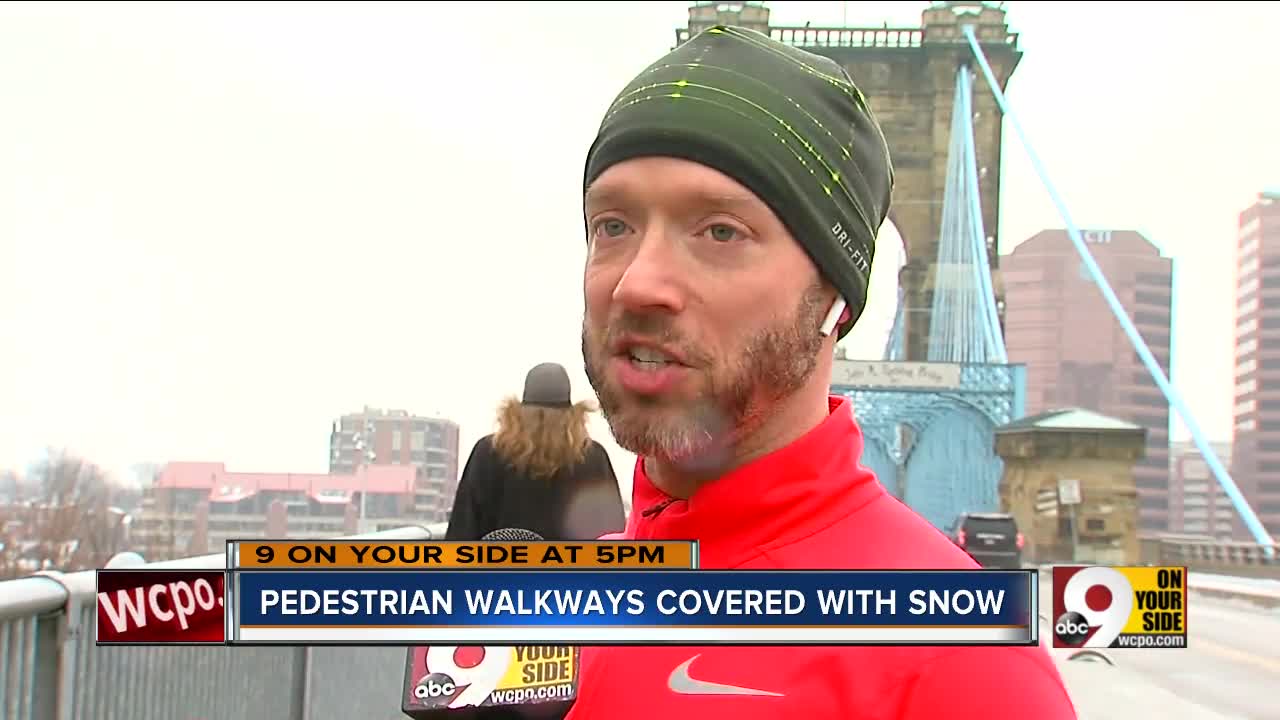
(809, 505)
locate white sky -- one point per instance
(223, 226)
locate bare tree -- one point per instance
(73, 521)
(10, 535)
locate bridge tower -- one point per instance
(929, 410)
(909, 76)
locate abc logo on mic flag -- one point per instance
(1119, 607)
(449, 676)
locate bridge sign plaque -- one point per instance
(885, 374)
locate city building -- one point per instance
(195, 507)
(1197, 503)
(1255, 464)
(428, 444)
(1077, 355)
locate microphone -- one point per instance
(512, 535)
(456, 682)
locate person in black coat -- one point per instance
(541, 471)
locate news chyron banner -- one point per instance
(612, 607)
(1119, 607)
(600, 593)
(553, 594)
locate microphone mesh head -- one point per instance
(512, 535)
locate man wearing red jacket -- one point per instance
(732, 200)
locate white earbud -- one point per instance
(833, 316)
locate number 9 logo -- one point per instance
(1109, 620)
(476, 670)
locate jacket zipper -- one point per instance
(656, 510)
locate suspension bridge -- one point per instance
(930, 442)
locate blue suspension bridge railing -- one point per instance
(1215, 465)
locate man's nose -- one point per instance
(652, 279)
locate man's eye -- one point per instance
(722, 233)
(612, 228)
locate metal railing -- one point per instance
(50, 668)
(881, 37)
(884, 37)
(1207, 552)
(864, 37)
(1207, 555)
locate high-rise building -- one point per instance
(1077, 355)
(395, 437)
(1197, 503)
(1255, 463)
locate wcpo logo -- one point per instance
(1119, 607)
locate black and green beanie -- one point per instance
(787, 124)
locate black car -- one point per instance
(990, 538)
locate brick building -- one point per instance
(195, 507)
(428, 444)
(1077, 355)
(1255, 463)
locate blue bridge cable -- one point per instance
(981, 257)
(893, 348)
(964, 327)
(1220, 473)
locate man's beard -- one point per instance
(735, 395)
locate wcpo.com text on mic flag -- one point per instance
(540, 593)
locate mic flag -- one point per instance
(447, 682)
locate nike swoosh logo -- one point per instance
(682, 684)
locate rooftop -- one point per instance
(1070, 419)
(1109, 240)
(374, 413)
(224, 486)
